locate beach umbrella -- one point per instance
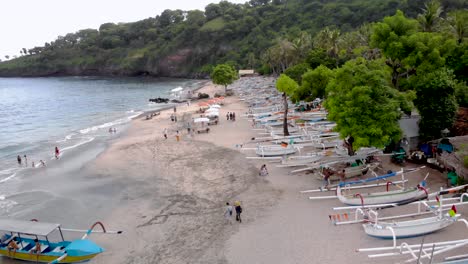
(211, 110)
(178, 89)
(215, 106)
(213, 114)
(201, 119)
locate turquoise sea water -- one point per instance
(37, 114)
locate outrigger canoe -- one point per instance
(411, 228)
(395, 196)
(25, 233)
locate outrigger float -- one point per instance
(423, 252)
(21, 238)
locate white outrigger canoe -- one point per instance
(272, 151)
(395, 196)
(411, 228)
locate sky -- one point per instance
(30, 23)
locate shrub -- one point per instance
(465, 161)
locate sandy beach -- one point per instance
(168, 197)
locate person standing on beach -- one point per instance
(175, 109)
(227, 116)
(57, 152)
(238, 212)
(33, 165)
(25, 160)
(177, 136)
(19, 160)
(228, 213)
(234, 116)
(165, 133)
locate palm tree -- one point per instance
(458, 21)
(430, 18)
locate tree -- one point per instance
(314, 83)
(390, 36)
(363, 104)
(295, 72)
(224, 74)
(319, 57)
(7, 57)
(287, 86)
(458, 21)
(430, 18)
(435, 102)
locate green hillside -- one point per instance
(188, 43)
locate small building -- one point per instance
(246, 73)
(410, 128)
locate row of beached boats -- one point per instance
(312, 146)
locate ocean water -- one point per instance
(37, 114)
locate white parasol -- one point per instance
(178, 89)
(211, 110)
(201, 119)
(215, 106)
(213, 114)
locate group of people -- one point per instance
(41, 162)
(231, 116)
(13, 247)
(112, 130)
(228, 212)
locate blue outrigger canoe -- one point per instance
(25, 235)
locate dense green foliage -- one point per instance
(314, 83)
(224, 74)
(187, 43)
(371, 76)
(436, 102)
(363, 103)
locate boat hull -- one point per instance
(398, 196)
(407, 229)
(44, 258)
(277, 151)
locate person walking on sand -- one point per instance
(177, 136)
(227, 116)
(165, 133)
(263, 170)
(228, 213)
(25, 160)
(234, 116)
(175, 109)
(57, 152)
(230, 116)
(19, 160)
(238, 212)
